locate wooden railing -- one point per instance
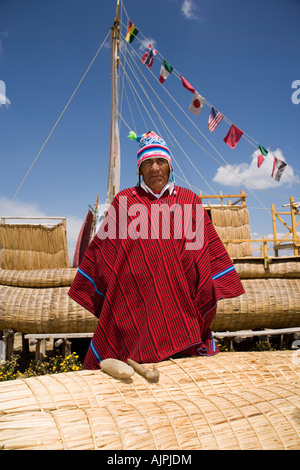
(291, 241)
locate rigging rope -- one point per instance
(159, 117)
(167, 130)
(228, 165)
(247, 137)
(56, 123)
(197, 143)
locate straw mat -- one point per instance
(232, 222)
(25, 246)
(229, 401)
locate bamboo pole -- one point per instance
(294, 226)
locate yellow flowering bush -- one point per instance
(50, 365)
(8, 369)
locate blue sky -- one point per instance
(243, 57)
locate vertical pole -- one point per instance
(294, 228)
(274, 229)
(113, 181)
(243, 197)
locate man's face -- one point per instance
(155, 172)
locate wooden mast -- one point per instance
(113, 181)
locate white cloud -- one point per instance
(190, 10)
(145, 43)
(18, 209)
(234, 175)
(3, 98)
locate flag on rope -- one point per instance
(132, 31)
(278, 168)
(260, 160)
(148, 56)
(214, 119)
(165, 71)
(261, 156)
(233, 136)
(186, 85)
(197, 104)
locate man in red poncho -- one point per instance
(156, 269)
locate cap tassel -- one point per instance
(132, 135)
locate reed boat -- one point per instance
(232, 401)
(36, 274)
(35, 270)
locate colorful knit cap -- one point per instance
(151, 146)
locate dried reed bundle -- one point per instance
(38, 277)
(237, 250)
(180, 379)
(266, 303)
(253, 268)
(247, 268)
(232, 222)
(33, 247)
(231, 216)
(48, 310)
(259, 418)
(228, 401)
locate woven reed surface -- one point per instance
(266, 303)
(233, 223)
(38, 277)
(48, 310)
(229, 401)
(248, 268)
(33, 247)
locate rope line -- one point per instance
(246, 136)
(228, 165)
(56, 123)
(134, 68)
(196, 142)
(173, 137)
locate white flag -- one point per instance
(278, 168)
(197, 104)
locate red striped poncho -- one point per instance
(154, 297)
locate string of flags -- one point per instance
(233, 135)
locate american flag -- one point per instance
(148, 56)
(214, 119)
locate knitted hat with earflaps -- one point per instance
(151, 146)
